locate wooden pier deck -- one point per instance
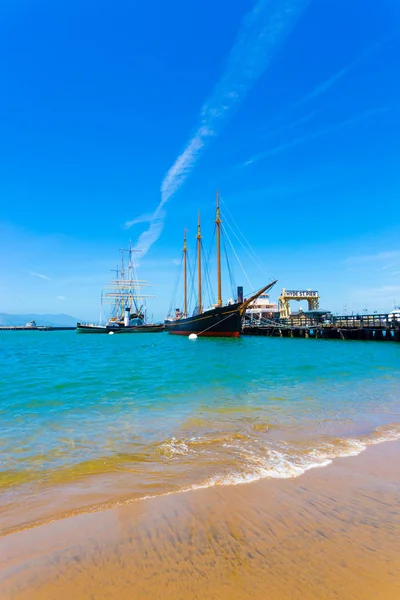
(376, 327)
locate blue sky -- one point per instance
(119, 121)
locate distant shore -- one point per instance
(332, 533)
(37, 328)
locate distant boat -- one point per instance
(261, 308)
(394, 315)
(128, 314)
(221, 320)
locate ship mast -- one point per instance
(200, 307)
(122, 250)
(131, 297)
(130, 261)
(184, 274)
(116, 271)
(218, 226)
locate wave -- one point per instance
(279, 460)
(255, 460)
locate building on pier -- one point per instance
(262, 308)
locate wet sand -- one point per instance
(333, 532)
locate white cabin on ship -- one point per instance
(262, 308)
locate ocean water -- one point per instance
(91, 421)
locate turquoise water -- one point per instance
(88, 421)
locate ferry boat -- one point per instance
(262, 309)
(220, 320)
(128, 313)
(394, 315)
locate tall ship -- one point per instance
(124, 301)
(220, 320)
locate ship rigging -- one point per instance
(220, 320)
(125, 301)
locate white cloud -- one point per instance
(39, 275)
(389, 289)
(262, 32)
(380, 298)
(60, 297)
(378, 256)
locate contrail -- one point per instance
(326, 85)
(333, 79)
(261, 34)
(39, 275)
(316, 134)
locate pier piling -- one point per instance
(376, 327)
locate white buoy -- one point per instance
(192, 336)
(110, 333)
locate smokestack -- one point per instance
(127, 318)
(240, 293)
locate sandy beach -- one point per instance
(333, 532)
(221, 174)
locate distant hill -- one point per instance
(60, 320)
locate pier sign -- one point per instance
(311, 296)
(300, 293)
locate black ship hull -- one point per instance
(81, 328)
(221, 321)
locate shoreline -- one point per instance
(85, 491)
(333, 528)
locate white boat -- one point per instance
(394, 315)
(261, 308)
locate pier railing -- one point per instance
(374, 321)
(356, 327)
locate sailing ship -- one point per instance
(124, 295)
(221, 320)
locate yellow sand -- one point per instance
(331, 533)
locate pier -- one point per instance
(375, 327)
(34, 328)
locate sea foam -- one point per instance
(256, 461)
